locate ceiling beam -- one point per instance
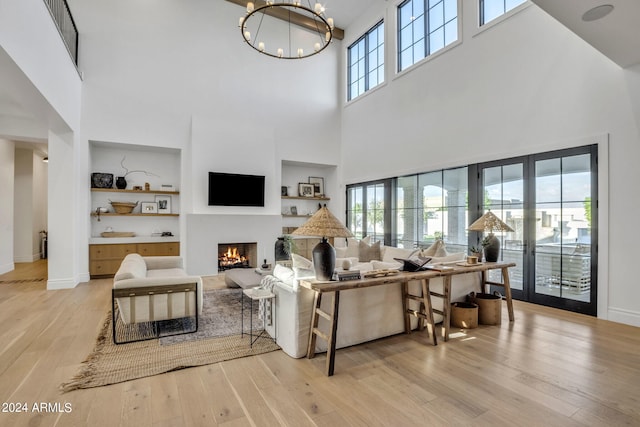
(296, 18)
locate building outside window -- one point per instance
(366, 62)
(425, 27)
(492, 9)
(432, 206)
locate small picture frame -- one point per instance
(164, 204)
(294, 210)
(149, 208)
(284, 191)
(305, 189)
(318, 185)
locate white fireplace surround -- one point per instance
(205, 231)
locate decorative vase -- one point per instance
(492, 249)
(324, 260)
(121, 183)
(280, 250)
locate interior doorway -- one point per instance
(27, 272)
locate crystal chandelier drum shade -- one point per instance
(268, 28)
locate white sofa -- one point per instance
(138, 272)
(364, 314)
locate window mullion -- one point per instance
(366, 62)
(427, 36)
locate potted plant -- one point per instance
(476, 251)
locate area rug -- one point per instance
(221, 316)
(110, 364)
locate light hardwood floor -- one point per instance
(549, 368)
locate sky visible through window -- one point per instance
(494, 8)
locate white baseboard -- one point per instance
(84, 277)
(627, 317)
(7, 268)
(54, 284)
(28, 258)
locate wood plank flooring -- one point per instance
(549, 368)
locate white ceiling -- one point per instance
(617, 35)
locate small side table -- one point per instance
(256, 294)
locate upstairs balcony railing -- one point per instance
(61, 15)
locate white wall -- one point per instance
(43, 89)
(63, 215)
(7, 153)
(178, 75)
(31, 39)
(23, 207)
(207, 231)
(525, 85)
(30, 204)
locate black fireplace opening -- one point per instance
(236, 255)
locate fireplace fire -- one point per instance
(236, 255)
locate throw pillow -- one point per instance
(283, 274)
(431, 250)
(301, 262)
(341, 252)
(353, 247)
(368, 252)
(381, 265)
(390, 253)
(302, 267)
(458, 256)
(441, 251)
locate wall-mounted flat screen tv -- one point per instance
(230, 189)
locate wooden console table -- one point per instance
(402, 278)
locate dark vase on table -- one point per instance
(280, 250)
(121, 183)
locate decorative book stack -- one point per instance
(348, 275)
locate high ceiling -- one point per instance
(617, 35)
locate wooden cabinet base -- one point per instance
(105, 259)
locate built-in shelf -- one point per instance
(295, 216)
(131, 214)
(306, 198)
(116, 190)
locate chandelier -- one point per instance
(267, 28)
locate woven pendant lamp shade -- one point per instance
(323, 224)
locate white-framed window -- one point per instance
(366, 62)
(492, 9)
(425, 27)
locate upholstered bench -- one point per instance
(244, 278)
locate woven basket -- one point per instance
(123, 207)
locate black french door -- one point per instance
(550, 201)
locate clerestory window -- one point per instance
(425, 27)
(366, 62)
(492, 9)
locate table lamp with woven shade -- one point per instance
(323, 224)
(489, 222)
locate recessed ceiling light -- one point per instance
(597, 12)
